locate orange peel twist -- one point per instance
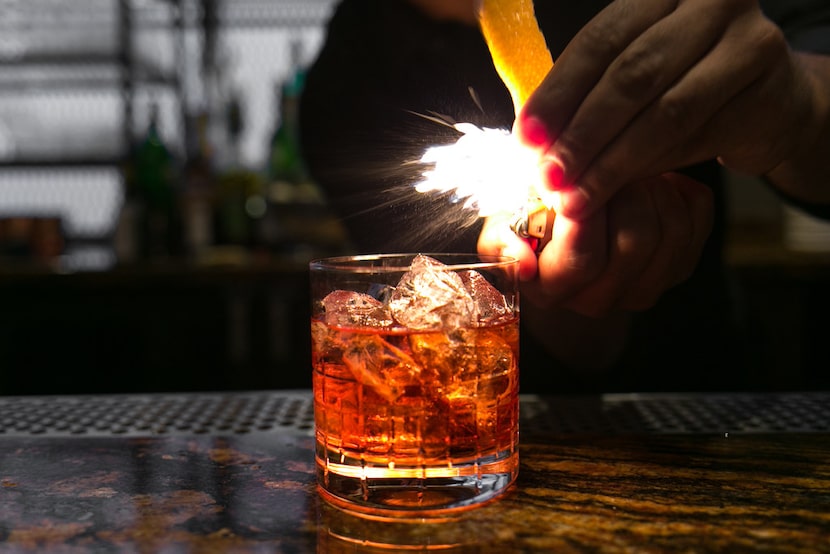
(522, 59)
(517, 46)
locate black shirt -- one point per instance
(382, 64)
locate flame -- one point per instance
(487, 169)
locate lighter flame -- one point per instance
(488, 170)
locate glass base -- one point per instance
(416, 493)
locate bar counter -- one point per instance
(234, 472)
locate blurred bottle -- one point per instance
(239, 196)
(152, 190)
(286, 163)
(286, 169)
(295, 204)
(197, 196)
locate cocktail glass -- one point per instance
(415, 375)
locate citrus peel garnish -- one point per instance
(522, 59)
(517, 46)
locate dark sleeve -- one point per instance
(806, 23)
(383, 63)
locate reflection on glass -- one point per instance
(339, 532)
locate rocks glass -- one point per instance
(416, 381)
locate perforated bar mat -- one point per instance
(292, 412)
(157, 414)
(680, 413)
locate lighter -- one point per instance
(535, 223)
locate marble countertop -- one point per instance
(576, 492)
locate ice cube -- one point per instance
(477, 369)
(347, 308)
(381, 291)
(496, 365)
(383, 367)
(449, 355)
(324, 341)
(490, 304)
(430, 297)
(469, 362)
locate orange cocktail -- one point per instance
(415, 362)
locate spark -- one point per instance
(488, 170)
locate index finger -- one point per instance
(642, 76)
(581, 66)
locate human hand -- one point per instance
(649, 86)
(464, 11)
(646, 239)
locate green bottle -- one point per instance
(286, 169)
(298, 223)
(155, 192)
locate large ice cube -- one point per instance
(477, 369)
(325, 341)
(376, 363)
(469, 362)
(430, 297)
(490, 304)
(347, 308)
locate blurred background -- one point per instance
(155, 215)
(156, 218)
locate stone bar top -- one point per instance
(253, 490)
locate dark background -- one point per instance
(77, 86)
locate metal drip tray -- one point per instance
(158, 414)
(679, 414)
(292, 412)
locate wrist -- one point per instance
(805, 172)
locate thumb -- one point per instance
(497, 239)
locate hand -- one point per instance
(645, 240)
(649, 86)
(463, 11)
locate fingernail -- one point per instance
(554, 176)
(533, 132)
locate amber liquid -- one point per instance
(413, 420)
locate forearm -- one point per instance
(805, 174)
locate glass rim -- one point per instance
(351, 263)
